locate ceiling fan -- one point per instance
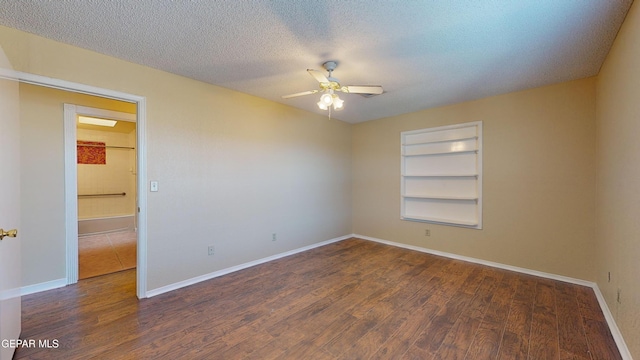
(330, 85)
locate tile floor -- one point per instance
(106, 253)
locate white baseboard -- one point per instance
(613, 327)
(197, 279)
(48, 285)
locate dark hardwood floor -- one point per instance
(353, 299)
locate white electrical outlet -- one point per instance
(274, 237)
(211, 250)
(427, 232)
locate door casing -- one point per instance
(71, 184)
(71, 112)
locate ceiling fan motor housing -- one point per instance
(330, 65)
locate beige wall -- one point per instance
(539, 180)
(618, 179)
(232, 168)
(42, 177)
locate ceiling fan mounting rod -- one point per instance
(330, 66)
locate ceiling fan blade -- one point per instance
(318, 75)
(363, 89)
(300, 94)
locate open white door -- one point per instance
(10, 261)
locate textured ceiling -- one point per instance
(424, 53)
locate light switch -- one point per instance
(154, 186)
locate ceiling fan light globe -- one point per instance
(338, 104)
(322, 106)
(326, 99)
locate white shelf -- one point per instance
(441, 175)
(443, 153)
(440, 197)
(441, 141)
(437, 220)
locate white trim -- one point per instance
(141, 126)
(71, 193)
(141, 145)
(229, 270)
(613, 327)
(76, 87)
(48, 285)
(480, 171)
(71, 112)
(8, 74)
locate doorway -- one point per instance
(101, 165)
(106, 182)
(70, 182)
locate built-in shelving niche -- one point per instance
(442, 175)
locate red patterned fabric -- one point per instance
(94, 154)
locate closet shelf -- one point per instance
(440, 197)
(440, 175)
(438, 220)
(106, 146)
(441, 141)
(473, 151)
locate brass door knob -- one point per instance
(9, 233)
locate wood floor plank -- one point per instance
(306, 350)
(321, 326)
(370, 342)
(399, 291)
(544, 343)
(461, 335)
(269, 351)
(321, 336)
(432, 337)
(416, 353)
(601, 343)
(571, 330)
(397, 294)
(396, 345)
(599, 339)
(451, 305)
(486, 342)
(588, 304)
(515, 340)
(397, 332)
(352, 299)
(343, 340)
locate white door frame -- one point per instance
(71, 112)
(71, 191)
